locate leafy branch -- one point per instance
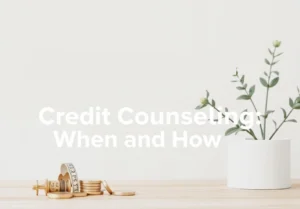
(248, 95)
(270, 83)
(271, 80)
(294, 106)
(205, 102)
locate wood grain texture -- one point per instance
(157, 195)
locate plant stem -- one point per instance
(254, 106)
(281, 124)
(220, 111)
(267, 96)
(250, 131)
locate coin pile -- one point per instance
(91, 187)
(68, 186)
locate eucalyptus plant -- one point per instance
(269, 80)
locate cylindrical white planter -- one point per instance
(259, 164)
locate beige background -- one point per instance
(148, 55)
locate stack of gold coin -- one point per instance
(91, 187)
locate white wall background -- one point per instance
(148, 55)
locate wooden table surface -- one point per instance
(156, 194)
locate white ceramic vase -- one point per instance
(259, 164)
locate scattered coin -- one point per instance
(60, 195)
(123, 193)
(95, 193)
(106, 186)
(79, 194)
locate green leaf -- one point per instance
(296, 106)
(291, 102)
(277, 55)
(213, 103)
(298, 90)
(240, 88)
(242, 79)
(267, 62)
(232, 130)
(207, 94)
(284, 113)
(291, 120)
(274, 82)
(266, 74)
(274, 63)
(297, 100)
(276, 72)
(271, 53)
(267, 113)
(200, 107)
(263, 82)
(275, 124)
(234, 81)
(226, 109)
(252, 90)
(244, 97)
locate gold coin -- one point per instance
(90, 181)
(90, 189)
(87, 191)
(60, 195)
(79, 194)
(95, 193)
(123, 193)
(106, 186)
(91, 185)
